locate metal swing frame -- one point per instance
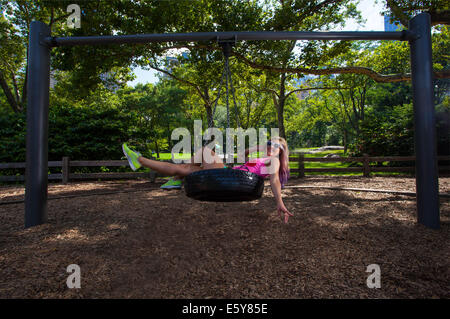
(419, 36)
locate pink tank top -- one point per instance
(255, 167)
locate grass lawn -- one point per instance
(168, 156)
(324, 164)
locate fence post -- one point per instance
(301, 165)
(65, 170)
(366, 167)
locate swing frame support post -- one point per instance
(427, 190)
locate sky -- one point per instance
(370, 11)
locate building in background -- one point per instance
(388, 26)
(108, 81)
(304, 82)
(172, 61)
(106, 78)
(53, 80)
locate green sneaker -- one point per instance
(172, 184)
(132, 157)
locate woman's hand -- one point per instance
(282, 209)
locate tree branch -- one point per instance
(377, 77)
(440, 17)
(265, 90)
(398, 12)
(315, 88)
(16, 90)
(52, 15)
(331, 112)
(181, 80)
(9, 97)
(345, 109)
(64, 16)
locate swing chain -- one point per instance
(226, 48)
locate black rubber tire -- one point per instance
(224, 185)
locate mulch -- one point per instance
(152, 243)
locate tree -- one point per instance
(282, 56)
(404, 10)
(201, 72)
(281, 60)
(159, 108)
(15, 21)
(12, 76)
(437, 8)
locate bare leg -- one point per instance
(197, 162)
(198, 159)
(168, 169)
(214, 160)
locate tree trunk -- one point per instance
(169, 136)
(280, 118)
(157, 148)
(345, 140)
(208, 107)
(9, 96)
(25, 83)
(355, 110)
(280, 106)
(209, 114)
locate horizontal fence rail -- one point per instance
(366, 169)
(65, 176)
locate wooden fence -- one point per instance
(66, 164)
(366, 169)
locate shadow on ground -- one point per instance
(160, 244)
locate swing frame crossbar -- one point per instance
(419, 36)
(234, 36)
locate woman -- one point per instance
(275, 165)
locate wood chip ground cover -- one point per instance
(152, 243)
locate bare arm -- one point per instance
(276, 190)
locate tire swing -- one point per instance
(224, 185)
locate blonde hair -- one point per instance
(283, 172)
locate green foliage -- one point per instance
(391, 132)
(404, 10)
(386, 133)
(80, 133)
(443, 127)
(387, 95)
(12, 137)
(89, 133)
(159, 109)
(92, 110)
(12, 61)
